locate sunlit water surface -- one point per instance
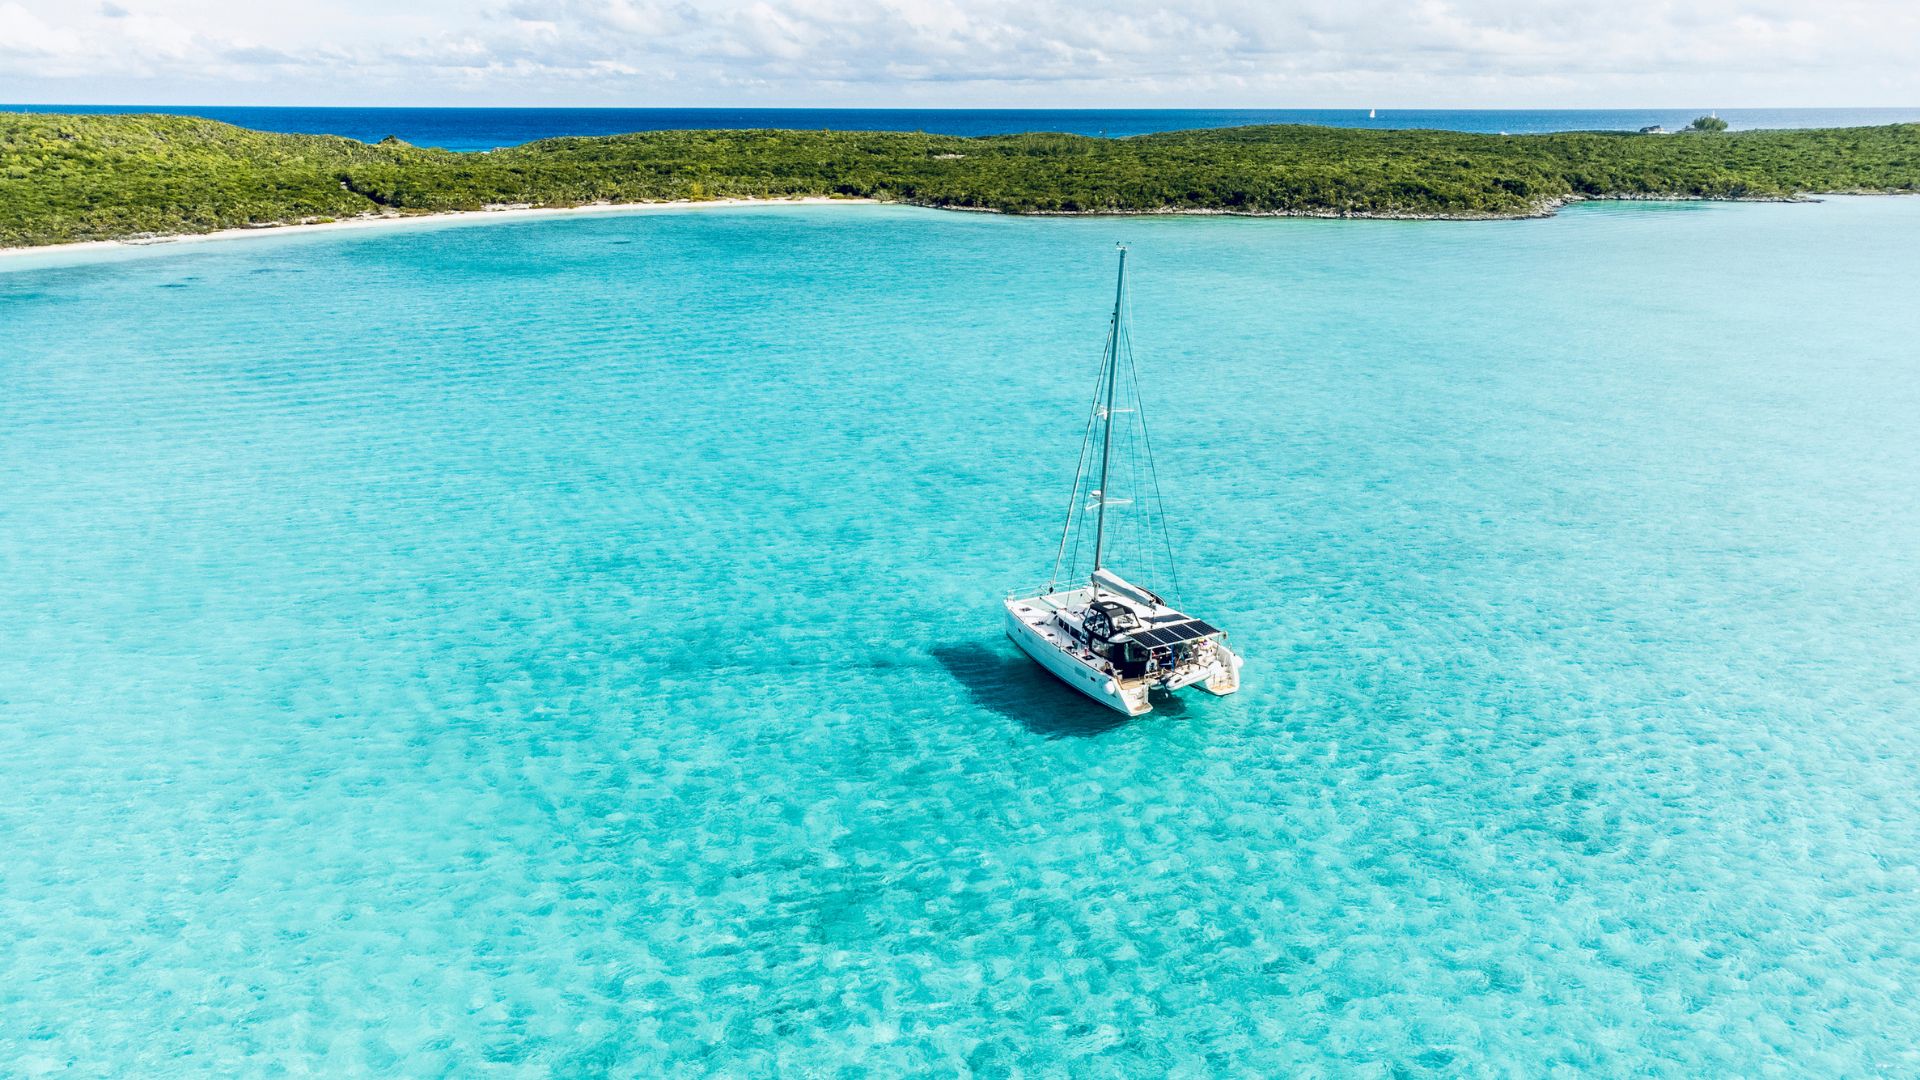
(573, 647)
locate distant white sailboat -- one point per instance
(1108, 638)
(1371, 114)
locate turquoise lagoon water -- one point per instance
(572, 647)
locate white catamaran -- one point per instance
(1109, 638)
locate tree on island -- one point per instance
(1708, 123)
(98, 177)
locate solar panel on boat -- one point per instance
(1160, 636)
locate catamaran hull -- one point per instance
(1096, 684)
(1224, 676)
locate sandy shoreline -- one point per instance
(448, 217)
(1543, 209)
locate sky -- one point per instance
(976, 53)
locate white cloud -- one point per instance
(25, 38)
(991, 52)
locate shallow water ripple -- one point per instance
(570, 647)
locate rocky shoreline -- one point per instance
(1543, 209)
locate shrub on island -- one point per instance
(94, 177)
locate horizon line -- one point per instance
(966, 108)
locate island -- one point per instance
(67, 178)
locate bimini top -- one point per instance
(1174, 633)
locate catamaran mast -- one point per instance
(1106, 435)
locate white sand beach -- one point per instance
(489, 215)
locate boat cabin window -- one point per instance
(1106, 618)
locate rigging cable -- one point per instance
(1080, 468)
(1173, 566)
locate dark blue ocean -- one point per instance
(485, 129)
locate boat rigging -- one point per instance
(1111, 639)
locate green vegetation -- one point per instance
(1708, 123)
(65, 178)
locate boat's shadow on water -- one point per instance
(1014, 686)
